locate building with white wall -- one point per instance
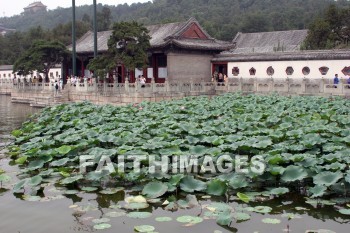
(279, 55)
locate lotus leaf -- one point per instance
(327, 178)
(190, 184)
(139, 215)
(294, 173)
(271, 221)
(102, 226)
(154, 189)
(144, 228)
(216, 187)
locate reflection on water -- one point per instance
(58, 211)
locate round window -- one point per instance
(270, 71)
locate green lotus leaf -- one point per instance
(96, 176)
(139, 215)
(344, 211)
(19, 186)
(189, 219)
(294, 173)
(279, 191)
(225, 218)
(317, 191)
(36, 164)
(34, 181)
(102, 226)
(239, 216)
(72, 179)
(216, 187)
(198, 150)
(17, 133)
(136, 206)
(144, 228)
(238, 181)
(271, 221)
(243, 197)
(327, 178)
(59, 163)
(71, 192)
(4, 178)
(175, 179)
(262, 209)
(154, 189)
(190, 184)
(21, 160)
(63, 150)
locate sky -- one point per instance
(15, 7)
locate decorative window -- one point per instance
(252, 71)
(9, 75)
(4, 75)
(235, 71)
(51, 74)
(306, 70)
(323, 70)
(289, 70)
(346, 70)
(270, 71)
(56, 73)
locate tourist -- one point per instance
(336, 81)
(142, 81)
(56, 87)
(221, 79)
(61, 82)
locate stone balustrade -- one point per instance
(122, 93)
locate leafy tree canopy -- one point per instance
(128, 44)
(41, 56)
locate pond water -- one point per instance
(55, 211)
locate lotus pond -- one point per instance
(303, 142)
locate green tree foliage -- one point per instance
(128, 44)
(330, 31)
(104, 19)
(41, 56)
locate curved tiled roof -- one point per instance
(265, 42)
(161, 35)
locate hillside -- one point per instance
(221, 18)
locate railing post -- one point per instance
(303, 86)
(321, 85)
(127, 85)
(240, 84)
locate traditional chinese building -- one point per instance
(35, 7)
(179, 51)
(4, 30)
(279, 55)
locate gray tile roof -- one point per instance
(265, 42)
(286, 56)
(161, 36)
(6, 67)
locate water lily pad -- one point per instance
(190, 184)
(279, 191)
(225, 218)
(135, 199)
(144, 228)
(216, 187)
(327, 178)
(243, 197)
(4, 178)
(262, 209)
(154, 189)
(294, 173)
(239, 216)
(115, 214)
(317, 191)
(63, 150)
(72, 179)
(344, 211)
(271, 221)
(136, 206)
(139, 215)
(34, 181)
(89, 189)
(189, 219)
(102, 226)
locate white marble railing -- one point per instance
(287, 86)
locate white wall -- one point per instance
(335, 67)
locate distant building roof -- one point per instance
(265, 42)
(35, 4)
(285, 56)
(187, 34)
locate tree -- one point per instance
(128, 45)
(41, 56)
(104, 19)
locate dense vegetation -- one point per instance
(304, 141)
